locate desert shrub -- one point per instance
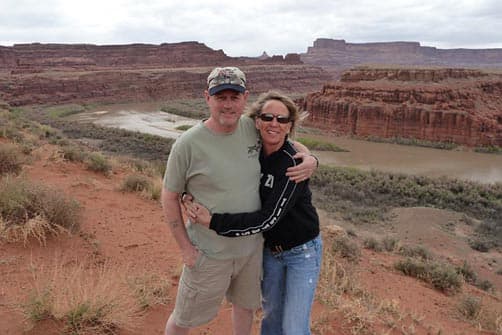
(441, 276)
(87, 300)
(467, 272)
(390, 243)
(32, 210)
(73, 153)
(470, 307)
(136, 183)
(445, 278)
(480, 244)
(146, 186)
(413, 268)
(346, 248)
(372, 243)
(415, 252)
(490, 232)
(485, 284)
(10, 159)
(98, 163)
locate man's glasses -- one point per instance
(269, 117)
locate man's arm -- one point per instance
(306, 168)
(174, 219)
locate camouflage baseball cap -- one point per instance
(226, 78)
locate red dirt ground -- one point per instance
(127, 230)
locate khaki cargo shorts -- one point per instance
(202, 287)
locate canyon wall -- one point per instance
(62, 73)
(447, 105)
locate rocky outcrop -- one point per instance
(450, 105)
(339, 55)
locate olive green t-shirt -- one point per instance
(222, 172)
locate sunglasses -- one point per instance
(269, 117)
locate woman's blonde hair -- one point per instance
(294, 113)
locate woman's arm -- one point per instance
(280, 200)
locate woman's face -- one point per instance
(273, 133)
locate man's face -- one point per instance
(226, 107)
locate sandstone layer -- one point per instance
(448, 105)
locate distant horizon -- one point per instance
(277, 27)
(269, 54)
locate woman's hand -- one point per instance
(304, 170)
(198, 213)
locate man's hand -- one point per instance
(190, 255)
(304, 170)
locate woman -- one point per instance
(288, 220)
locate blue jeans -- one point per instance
(288, 287)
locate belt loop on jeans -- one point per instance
(276, 249)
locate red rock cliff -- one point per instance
(453, 105)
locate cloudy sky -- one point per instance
(247, 28)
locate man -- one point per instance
(216, 161)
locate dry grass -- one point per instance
(479, 313)
(149, 188)
(87, 300)
(151, 290)
(10, 159)
(33, 210)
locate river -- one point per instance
(462, 164)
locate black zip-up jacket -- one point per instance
(287, 217)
